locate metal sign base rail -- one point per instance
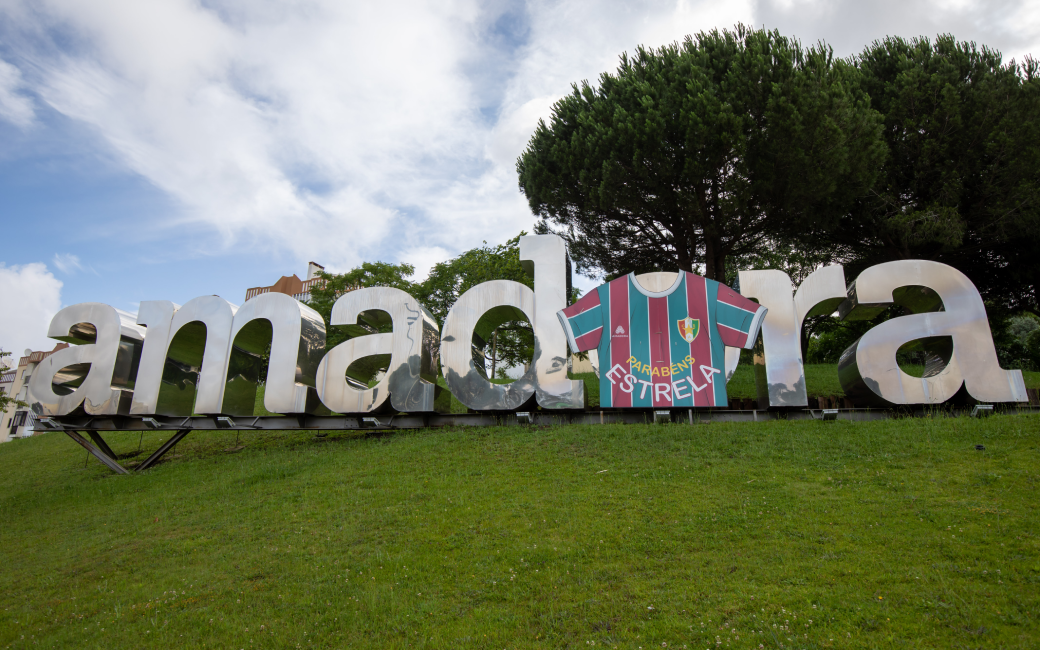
(179, 427)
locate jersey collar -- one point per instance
(657, 294)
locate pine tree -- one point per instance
(702, 151)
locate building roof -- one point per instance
(290, 285)
(39, 356)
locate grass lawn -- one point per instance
(811, 534)
(822, 380)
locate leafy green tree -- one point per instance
(961, 183)
(6, 400)
(1011, 337)
(510, 344)
(1033, 348)
(700, 152)
(1023, 325)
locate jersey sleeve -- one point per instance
(583, 322)
(738, 318)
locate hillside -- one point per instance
(799, 534)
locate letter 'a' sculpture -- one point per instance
(97, 372)
(947, 321)
(409, 354)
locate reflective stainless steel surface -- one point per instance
(483, 308)
(732, 361)
(345, 393)
(545, 258)
(296, 334)
(98, 371)
(491, 303)
(220, 349)
(185, 347)
(779, 376)
(959, 336)
(156, 316)
(408, 356)
(820, 293)
(779, 368)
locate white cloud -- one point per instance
(70, 264)
(14, 107)
(30, 296)
(423, 259)
(344, 131)
(308, 128)
(331, 129)
(1011, 26)
(568, 41)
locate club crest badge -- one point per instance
(689, 328)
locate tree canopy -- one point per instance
(512, 343)
(702, 151)
(961, 180)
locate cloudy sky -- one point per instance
(165, 149)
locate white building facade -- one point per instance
(19, 421)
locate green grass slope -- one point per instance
(782, 534)
(822, 380)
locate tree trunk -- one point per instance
(494, 352)
(685, 255)
(683, 261)
(714, 259)
(709, 257)
(804, 338)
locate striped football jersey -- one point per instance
(662, 349)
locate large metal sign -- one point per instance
(663, 340)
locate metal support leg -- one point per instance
(101, 444)
(110, 462)
(166, 446)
